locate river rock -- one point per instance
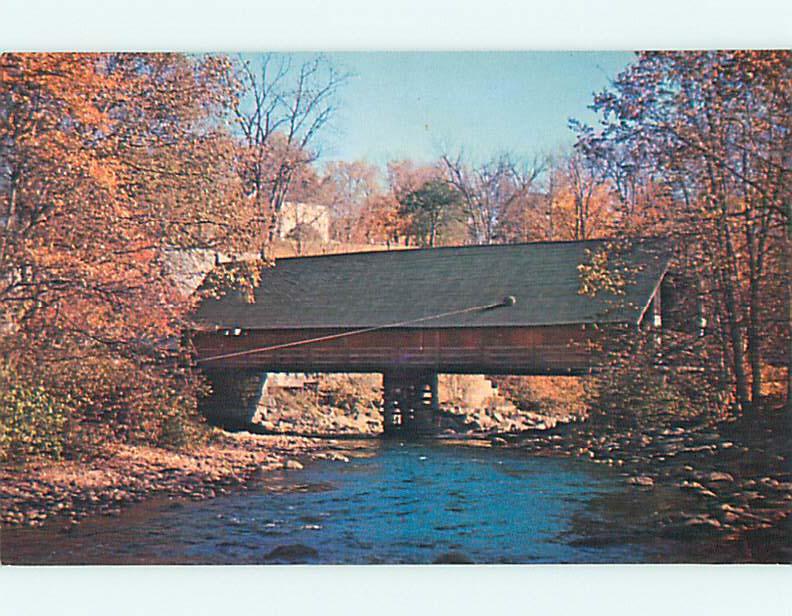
(703, 521)
(292, 465)
(642, 480)
(720, 476)
(769, 481)
(453, 558)
(295, 552)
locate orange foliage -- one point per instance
(108, 160)
(696, 146)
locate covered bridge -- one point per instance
(410, 314)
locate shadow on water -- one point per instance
(396, 503)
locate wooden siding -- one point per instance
(493, 350)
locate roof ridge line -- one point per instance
(471, 246)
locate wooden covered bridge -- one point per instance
(411, 314)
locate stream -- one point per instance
(396, 502)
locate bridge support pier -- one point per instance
(234, 398)
(410, 402)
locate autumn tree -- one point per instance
(579, 200)
(108, 161)
(405, 176)
(402, 177)
(280, 111)
(382, 221)
(430, 210)
(346, 190)
(708, 134)
(491, 192)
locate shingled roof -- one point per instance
(372, 289)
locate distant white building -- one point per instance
(310, 216)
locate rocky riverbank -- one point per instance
(708, 476)
(736, 472)
(68, 491)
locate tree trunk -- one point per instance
(730, 283)
(740, 376)
(754, 345)
(272, 232)
(788, 270)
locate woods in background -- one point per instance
(696, 146)
(109, 161)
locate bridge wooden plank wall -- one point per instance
(556, 350)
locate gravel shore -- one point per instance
(69, 490)
(737, 473)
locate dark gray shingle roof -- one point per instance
(377, 288)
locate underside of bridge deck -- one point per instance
(409, 404)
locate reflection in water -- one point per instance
(398, 503)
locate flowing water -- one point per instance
(396, 503)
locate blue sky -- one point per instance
(415, 105)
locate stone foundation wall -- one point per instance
(465, 390)
(235, 397)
